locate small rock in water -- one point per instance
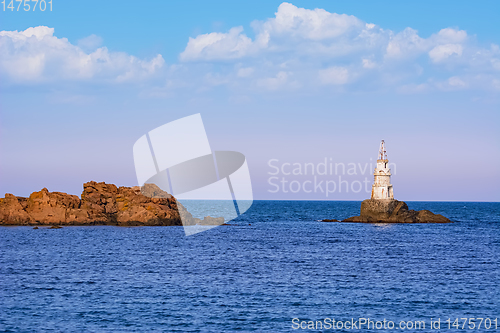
(35, 228)
(328, 220)
(55, 227)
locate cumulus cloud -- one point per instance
(36, 55)
(450, 35)
(292, 29)
(300, 23)
(443, 52)
(319, 34)
(295, 48)
(218, 46)
(404, 43)
(337, 46)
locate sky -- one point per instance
(287, 84)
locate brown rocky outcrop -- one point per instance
(12, 212)
(100, 203)
(393, 211)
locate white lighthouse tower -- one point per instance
(382, 188)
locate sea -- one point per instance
(276, 268)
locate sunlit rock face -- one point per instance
(100, 203)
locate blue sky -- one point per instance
(294, 82)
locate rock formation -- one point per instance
(393, 211)
(100, 203)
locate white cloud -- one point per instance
(36, 55)
(334, 75)
(317, 24)
(443, 52)
(296, 47)
(455, 81)
(367, 63)
(90, 43)
(495, 63)
(282, 80)
(306, 41)
(217, 46)
(404, 44)
(273, 83)
(293, 29)
(450, 35)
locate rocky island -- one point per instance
(393, 211)
(100, 204)
(383, 208)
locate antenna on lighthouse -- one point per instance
(382, 155)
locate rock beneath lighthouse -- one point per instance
(393, 211)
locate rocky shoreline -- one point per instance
(393, 211)
(100, 204)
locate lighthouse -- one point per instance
(382, 207)
(382, 187)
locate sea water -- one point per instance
(276, 268)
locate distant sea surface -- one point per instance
(276, 264)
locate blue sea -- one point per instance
(278, 269)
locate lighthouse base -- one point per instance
(382, 192)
